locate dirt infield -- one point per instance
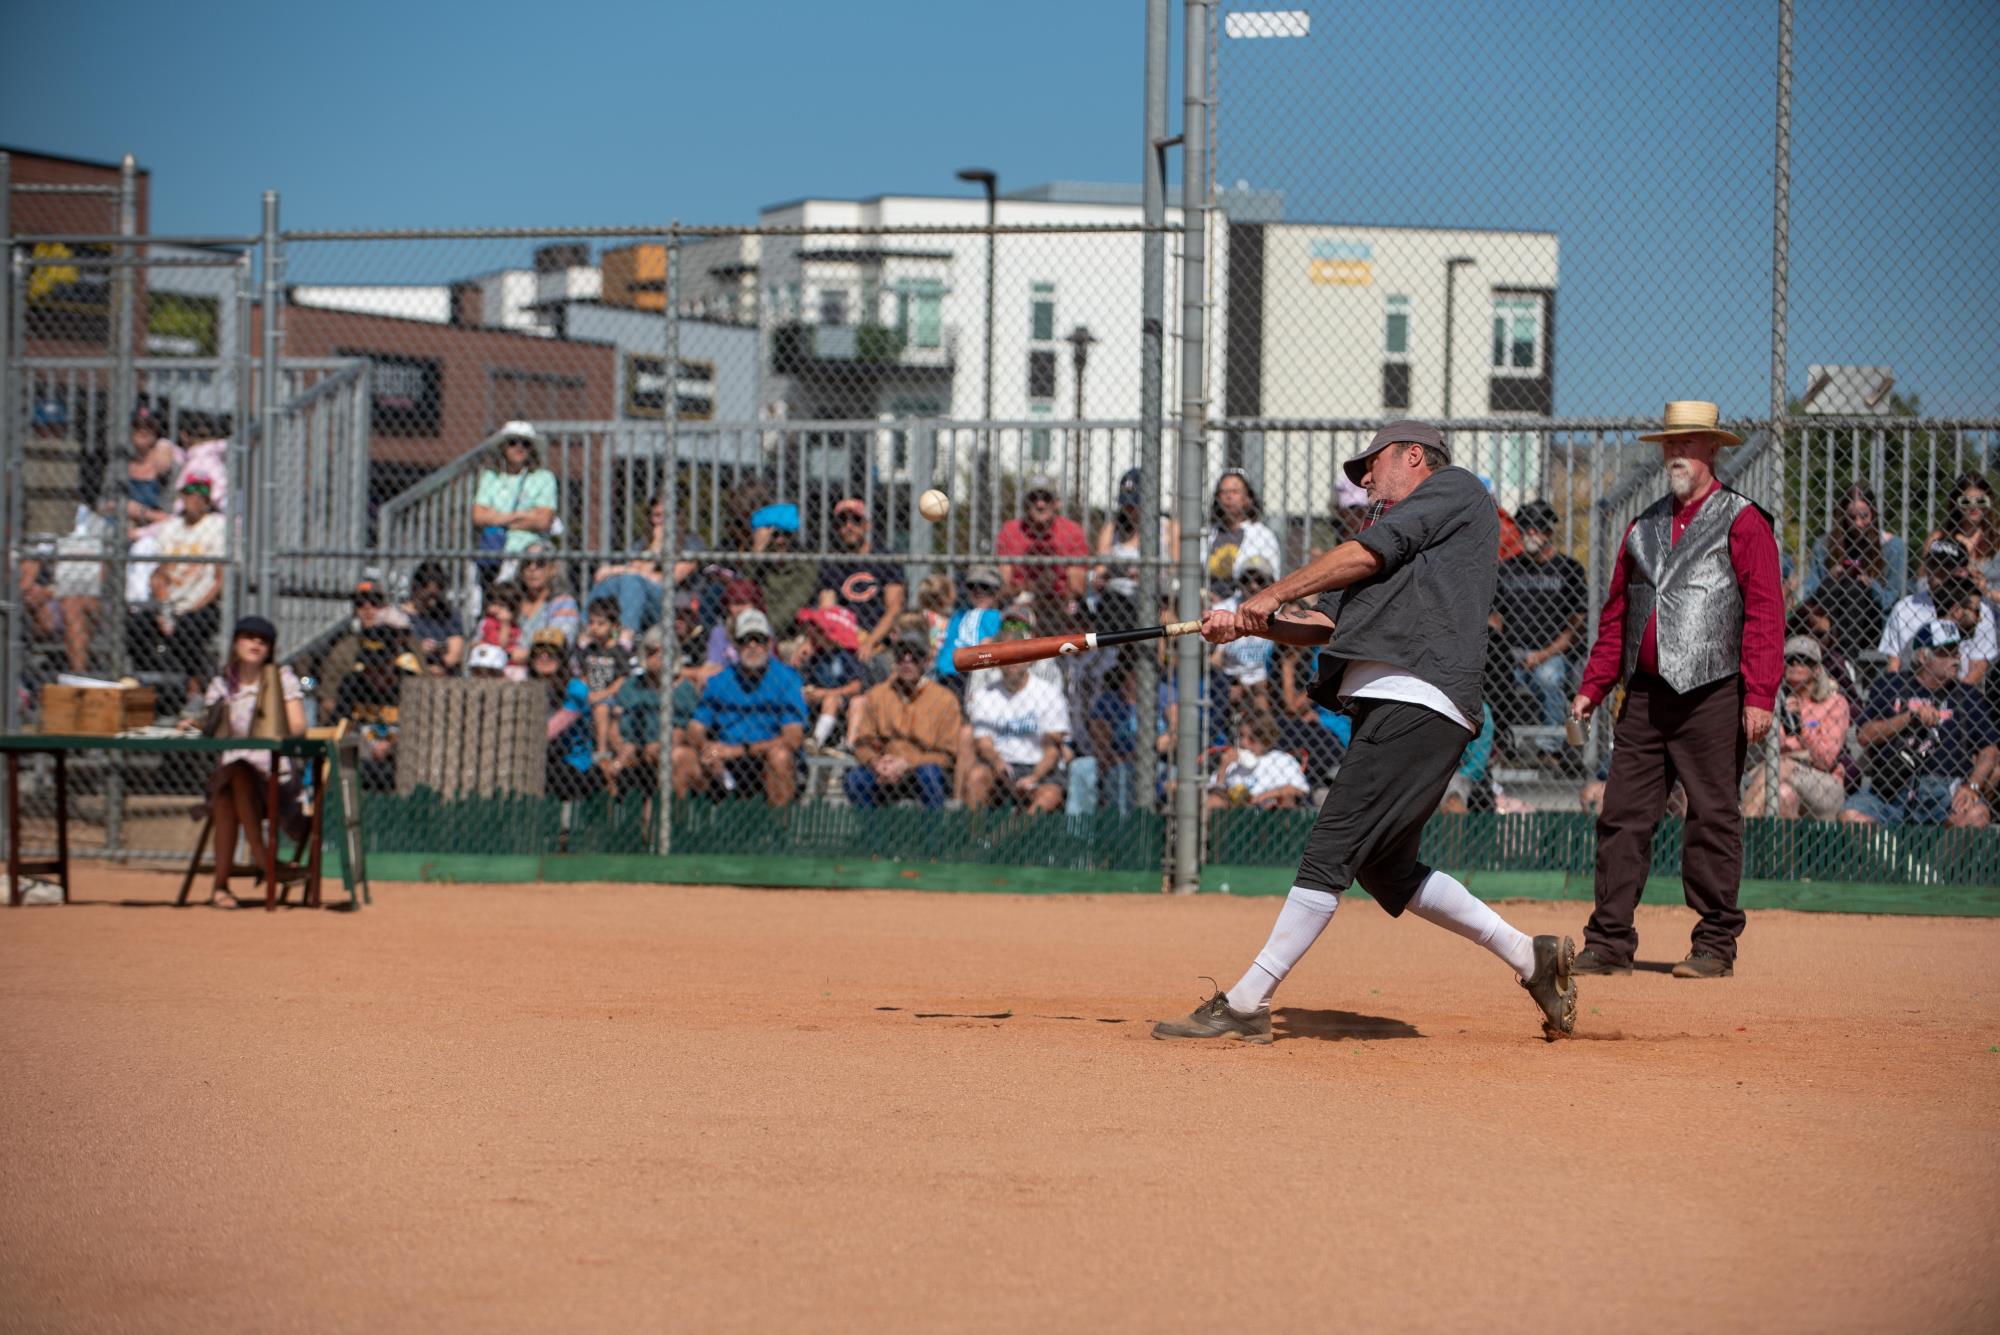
(614, 1107)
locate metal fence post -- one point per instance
(1193, 445)
(123, 400)
(236, 521)
(1781, 224)
(670, 649)
(922, 436)
(13, 513)
(1152, 329)
(270, 392)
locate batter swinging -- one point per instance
(1408, 600)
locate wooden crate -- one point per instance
(465, 737)
(100, 711)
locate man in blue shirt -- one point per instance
(750, 723)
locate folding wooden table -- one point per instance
(319, 755)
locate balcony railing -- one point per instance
(798, 348)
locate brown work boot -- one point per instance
(1589, 961)
(1214, 1019)
(1553, 987)
(1702, 964)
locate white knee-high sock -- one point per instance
(1304, 917)
(1445, 901)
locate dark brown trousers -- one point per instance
(1663, 735)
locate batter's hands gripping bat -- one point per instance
(1001, 653)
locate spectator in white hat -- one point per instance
(487, 661)
(516, 498)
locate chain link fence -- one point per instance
(607, 539)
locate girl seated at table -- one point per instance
(237, 790)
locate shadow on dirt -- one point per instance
(1292, 1022)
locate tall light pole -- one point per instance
(1451, 268)
(988, 181)
(1080, 339)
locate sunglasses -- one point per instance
(1796, 660)
(1041, 498)
(1976, 502)
(754, 639)
(1256, 581)
(910, 654)
(851, 521)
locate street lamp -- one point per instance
(1451, 267)
(1080, 339)
(989, 182)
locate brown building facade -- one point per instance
(439, 390)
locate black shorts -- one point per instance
(1008, 786)
(1395, 772)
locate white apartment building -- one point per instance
(1365, 323)
(1305, 321)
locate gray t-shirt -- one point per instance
(1425, 611)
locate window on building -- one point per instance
(833, 305)
(1042, 312)
(1396, 330)
(1040, 439)
(1042, 373)
(1517, 335)
(919, 312)
(1395, 384)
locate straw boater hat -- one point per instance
(1693, 418)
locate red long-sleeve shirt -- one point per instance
(1753, 553)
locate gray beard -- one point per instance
(1681, 482)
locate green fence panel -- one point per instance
(1566, 841)
(424, 822)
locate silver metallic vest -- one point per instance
(1692, 585)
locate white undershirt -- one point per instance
(1370, 679)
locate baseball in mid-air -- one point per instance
(934, 505)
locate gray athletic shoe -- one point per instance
(1704, 964)
(1589, 961)
(1214, 1019)
(1553, 986)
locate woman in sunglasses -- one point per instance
(1971, 522)
(546, 602)
(1812, 738)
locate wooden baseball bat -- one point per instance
(1001, 653)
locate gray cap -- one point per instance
(987, 575)
(1406, 432)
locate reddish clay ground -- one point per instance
(617, 1107)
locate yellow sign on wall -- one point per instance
(1341, 273)
(1341, 264)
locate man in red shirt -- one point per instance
(1694, 624)
(1043, 530)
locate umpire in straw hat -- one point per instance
(1694, 624)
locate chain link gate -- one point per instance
(479, 436)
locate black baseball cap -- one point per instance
(256, 627)
(1539, 516)
(1406, 432)
(1947, 553)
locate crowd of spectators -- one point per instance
(733, 665)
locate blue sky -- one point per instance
(1640, 132)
